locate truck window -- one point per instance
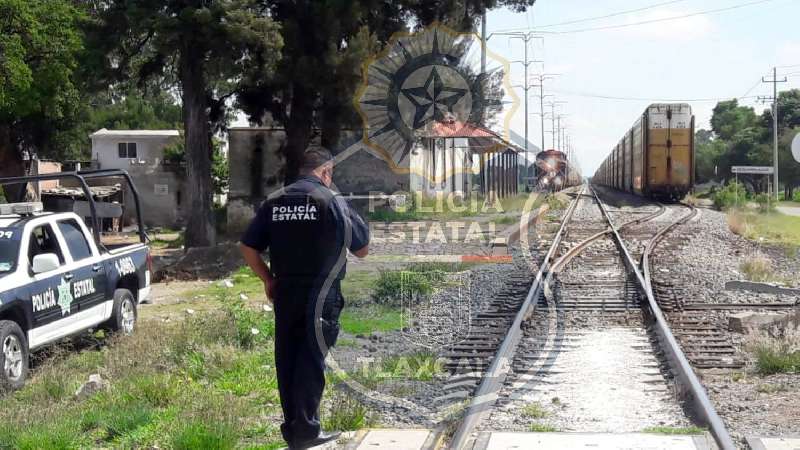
(9, 249)
(76, 240)
(43, 241)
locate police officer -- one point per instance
(308, 230)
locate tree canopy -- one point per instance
(326, 44)
(206, 48)
(741, 137)
(40, 95)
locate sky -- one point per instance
(702, 58)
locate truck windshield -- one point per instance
(9, 249)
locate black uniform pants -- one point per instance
(299, 357)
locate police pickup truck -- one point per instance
(57, 280)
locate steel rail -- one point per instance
(686, 376)
(657, 238)
(485, 396)
(580, 247)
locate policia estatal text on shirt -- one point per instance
(308, 230)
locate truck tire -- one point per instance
(124, 314)
(13, 356)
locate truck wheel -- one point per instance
(13, 356)
(123, 315)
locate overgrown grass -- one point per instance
(674, 430)
(776, 354)
(775, 228)
(197, 383)
(159, 241)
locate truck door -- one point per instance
(49, 299)
(88, 284)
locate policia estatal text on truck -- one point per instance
(308, 230)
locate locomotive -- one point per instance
(554, 171)
(655, 158)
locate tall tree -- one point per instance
(326, 43)
(728, 118)
(40, 44)
(209, 49)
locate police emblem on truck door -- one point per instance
(65, 297)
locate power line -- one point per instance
(642, 99)
(663, 19)
(615, 14)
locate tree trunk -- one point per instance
(11, 164)
(200, 230)
(298, 130)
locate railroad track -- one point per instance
(530, 345)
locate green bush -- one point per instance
(796, 196)
(766, 202)
(393, 285)
(729, 196)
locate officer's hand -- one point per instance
(269, 289)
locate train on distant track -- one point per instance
(655, 158)
(555, 172)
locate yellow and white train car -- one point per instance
(655, 158)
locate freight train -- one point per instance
(555, 172)
(655, 158)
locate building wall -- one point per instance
(105, 150)
(441, 165)
(256, 170)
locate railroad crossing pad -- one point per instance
(773, 443)
(593, 441)
(393, 439)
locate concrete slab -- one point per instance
(765, 443)
(594, 441)
(411, 439)
(789, 210)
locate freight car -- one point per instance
(554, 171)
(655, 158)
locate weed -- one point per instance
(766, 203)
(197, 435)
(776, 354)
(252, 327)
(674, 430)
(737, 223)
(767, 388)
(393, 285)
(757, 268)
(542, 428)
(737, 376)
(345, 413)
(534, 411)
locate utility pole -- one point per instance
(541, 78)
(774, 82)
(552, 106)
(483, 44)
(525, 38)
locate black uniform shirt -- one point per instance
(306, 228)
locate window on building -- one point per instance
(127, 150)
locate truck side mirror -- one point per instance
(45, 262)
